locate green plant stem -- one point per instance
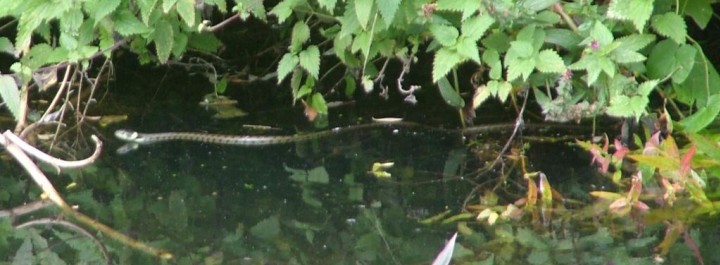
(456, 86)
(568, 20)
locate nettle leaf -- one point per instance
(444, 34)
(468, 8)
(286, 65)
(646, 87)
(255, 7)
(518, 50)
(71, 20)
(635, 42)
(10, 95)
(548, 61)
(449, 94)
(186, 9)
(388, 8)
(601, 34)
(627, 56)
(328, 5)
(204, 41)
(317, 101)
(626, 107)
(167, 5)
(637, 11)
(363, 12)
(163, 38)
(146, 8)
(101, 8)
(491, 57)
(520, 67)
(468, 49)
(310, 60)
(500, 89)
(300, 34)
(127, 24)
(283, 10)
(445, 60)
(475, 27)
(670, 25)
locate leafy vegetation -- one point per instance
(577, 59)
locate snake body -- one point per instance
(134, 139)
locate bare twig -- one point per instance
(26, 208)
(10, 138)
(224, 23)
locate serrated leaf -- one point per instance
(127, 24)
(101, 8)
(363, 10)
(475, 27)
(10, 95)
(204, 41)
(286, 65)
(283, 10)
(646, 87)
(255, 7)
(449, 94)
(328, 5)
(670, 25)
(318, 103)
(522, 67)
(388, 8)
(635, 42)
(71, 20)
(468, 49)
(492, 58)
(468, 8)
(186, 10)
(601, 34)
(444, 34)
(626, 107)
(444, 61)
(310, 60)
(548, 61)
(163, 38)
(167, 5)
(146, 8)
(637, 11)
(703, 117)
(267, 229)
(300, 34)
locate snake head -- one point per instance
(126, 135)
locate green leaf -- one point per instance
(635, 42)
(700, 10)
(601, 34)
(363, 12)
(444, 34)
(637, 11)
(685, 59)
(703, 117)
(300, 34)
(286, 65)
(167, 5)
(702, 82)
(449, 94)
(101, 8)
(565, 38)
(283, 10)
(468, 49)
(328, 5)
(500, 89)
(255, 7)
(186, 9)
(204, 41)
(492, 58)
(318, 103)
(625, 107)
(670, 25)
(10, 95)
(498, 41)
(71, 20)
(520, 67)
(267, 229)
(6, 46)
(518, 50)
(475, 27)
(146, 9)
(388, 8)
(163, 38)
(705, 145)
(127, 24)
(537, 5)
(468, 8)
(310, 60)
(646, 87)
(548, 61)
(445, 60)
(662, 61)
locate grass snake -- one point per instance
(134, 139)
